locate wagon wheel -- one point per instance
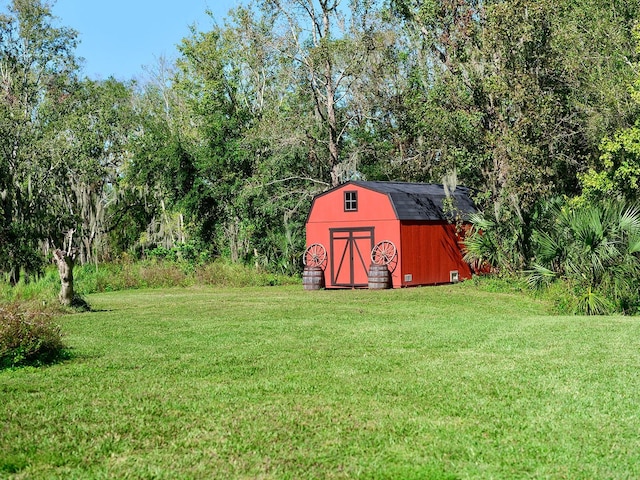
(315, 256)
(385, 253)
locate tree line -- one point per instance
(222, 150)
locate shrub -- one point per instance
(163, 253)
(594, 249)
(28, 337)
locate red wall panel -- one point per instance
(430, 253)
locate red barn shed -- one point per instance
(400, 224)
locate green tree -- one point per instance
(617, 174)
(503, 96)
(187, 159)
(37, 66)
(211, 86)
(327, 47)
(89, 140)
(160, 171)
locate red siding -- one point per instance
(431, 253)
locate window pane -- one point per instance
(350, 201)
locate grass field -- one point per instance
(441, 382)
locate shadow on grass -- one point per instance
(63, 356)
(12, 464)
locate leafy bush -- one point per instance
(504, 240)
(28, 337)
(595, 251)
(185, 252)
(163, 253)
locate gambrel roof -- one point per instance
(422, 201)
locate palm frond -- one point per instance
(591, 303)
(539, 276)
(548, 247)
(633, 245)
(630, 220)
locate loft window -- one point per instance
(350, 201)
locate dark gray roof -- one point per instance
(422, 201)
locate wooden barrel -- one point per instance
(379, 277)
(312, 278)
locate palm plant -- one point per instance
(495, 242)
(480, 245)
(595, 249)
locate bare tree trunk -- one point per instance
(324, 76)
(65, 262)
(14, 276)
(334, 156)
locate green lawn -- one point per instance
(440, 382)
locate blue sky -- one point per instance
(119, 37)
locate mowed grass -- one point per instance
(440, 382)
